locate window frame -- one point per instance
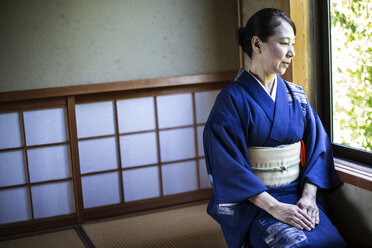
(352, 154)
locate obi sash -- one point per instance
(276, 166)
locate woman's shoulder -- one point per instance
(294, 87)
(229, 102)
(231, 92)
(296, 91)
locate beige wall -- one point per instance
(61, 43)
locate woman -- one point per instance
(259, 132)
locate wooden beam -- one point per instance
(115, 86)
(32, 104)
(17, 228)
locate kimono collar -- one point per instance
(277, 112)
(279, 128)
(254, 89)
(273, 90)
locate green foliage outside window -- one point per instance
(351, 31)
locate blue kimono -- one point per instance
(244, 115)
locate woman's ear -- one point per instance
(256, 45)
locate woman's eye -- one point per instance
(286, 43)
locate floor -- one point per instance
(176, 227)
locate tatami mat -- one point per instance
(186, 227)
(61, 239)
(179, 228)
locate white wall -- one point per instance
(71, 42)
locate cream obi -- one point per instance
(276, 166)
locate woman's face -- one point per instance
(277, 52)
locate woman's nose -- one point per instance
(291, 53)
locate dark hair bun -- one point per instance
(244, 41)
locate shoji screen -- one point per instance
(35, 168)
(98, 153)
(139, 153)
(72, 154)
(131, 149)
(141, 148)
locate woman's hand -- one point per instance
(292, 215)
(287, 213)
(308, 202)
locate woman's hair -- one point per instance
(262, 24)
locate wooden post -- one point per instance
(76, 176)
(301, 63)
(284, 5)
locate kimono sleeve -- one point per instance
(319, 168)
(226, 152)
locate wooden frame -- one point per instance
(357, 156)
(74, 151)
(115, 87)
(353, 174)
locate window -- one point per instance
(350, 75)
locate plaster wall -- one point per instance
(61, 43)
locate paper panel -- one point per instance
(95, 119)
(136, 114)
(101, 189)
(10, 131)
(177, 144)
(141, 183)
(45, 126)
(53, 199)
(175, 110)
(179, 177)
(138, 149)
(14, 205)
(98, 155)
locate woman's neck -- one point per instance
(266, 79)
